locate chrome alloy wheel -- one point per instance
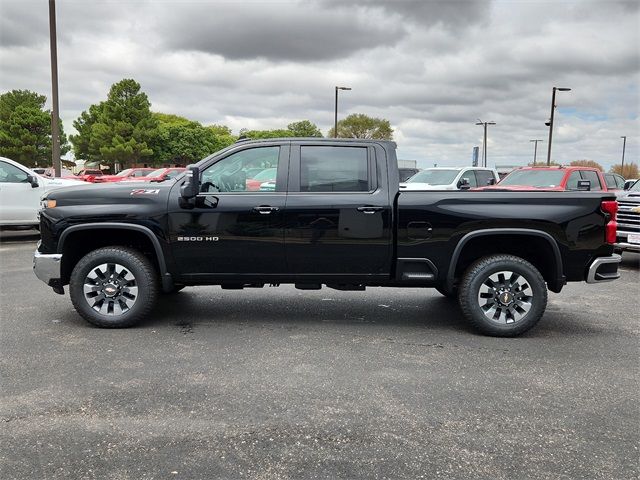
(110, 289)
(505, 297)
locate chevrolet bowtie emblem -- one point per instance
(636, 209)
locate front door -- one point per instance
(236, 224)
(338, 216)
(19, 200)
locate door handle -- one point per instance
(368, 210)
(265, 210)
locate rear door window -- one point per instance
(572, 182)
(334, 169)
(593, 178)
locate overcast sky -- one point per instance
(431, 67)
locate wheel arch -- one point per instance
(494, 241)
(96, 235)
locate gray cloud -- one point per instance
(275, 31)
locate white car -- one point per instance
(451, 178)
(20, 192)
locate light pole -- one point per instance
(624, 144)
(55, 114)
(535, 150)
(550, 123)
(484, 141)
(335, 123)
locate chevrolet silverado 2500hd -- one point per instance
(334, 216)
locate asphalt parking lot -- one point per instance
(281, 383)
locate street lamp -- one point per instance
(484, 142)
(624, 144)
(55, 114)
(535, 150)
(335, 123)
(550, 122)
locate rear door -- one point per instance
(338, 213)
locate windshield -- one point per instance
(534, 178)
(124, 173)
(635, 187)
(434, 177)
(156, 173)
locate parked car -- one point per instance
(335, 218)
(405, 173)
(20, 192)
(451, 178)
(128, 173)
(551, 179)
(88, 174)
(614, 181)
(628, 238)
(159, 175)
(266, 175)
(64, 173)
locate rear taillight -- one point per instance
(610, 207)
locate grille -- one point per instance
(628, 221)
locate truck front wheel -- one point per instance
(502, 295)
(113, 287)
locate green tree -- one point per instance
(587, 163)
(25, 128)
(259, 134)
(304, 128)
(359, 125)
(120, 129)
(223, 135)
(182, 141)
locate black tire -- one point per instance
(98, 271)
(446, 293)
(506, 298)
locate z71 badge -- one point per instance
(145, 191)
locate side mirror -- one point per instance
(33, 180)
(463, 184)
(191, 186)
(584, 185)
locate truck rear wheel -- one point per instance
(113, 287)
(502, 295)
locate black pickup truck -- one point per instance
(331, 215)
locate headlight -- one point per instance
(46, 203)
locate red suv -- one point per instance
(550, 179)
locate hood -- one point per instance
(59, 182)
(110, 194)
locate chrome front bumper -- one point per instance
(47, 267)
(604, 269)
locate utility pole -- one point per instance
(535, 150)
(484, 141)
(624, 144)
(550, 122)
(335, 123)
(55, 113)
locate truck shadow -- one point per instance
(210, 306)
(217, 306)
